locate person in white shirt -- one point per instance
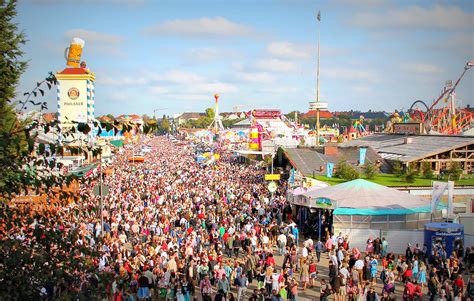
(281, 243)
(304, 252)
(333, 258)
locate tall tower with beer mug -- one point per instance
(75, 94)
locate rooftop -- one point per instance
(309, 160)
(394, 147)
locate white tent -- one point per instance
(362, 194)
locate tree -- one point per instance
(397, 168)
(346, 171)
(426, 170)
(37, 242)
(110, 116)
(409, 175)
(370, 170)
(165, 125)
(11, 68)
(210, 113)
(454, 171)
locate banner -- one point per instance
(292, 176)
(450, 197)
(329, 169)
(362, 152)
(438, 190)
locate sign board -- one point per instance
(408, 128)
(105, 190)
(272, 186)
(272, 177)
(318, 105)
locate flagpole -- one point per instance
(317, 81)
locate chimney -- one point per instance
(408, 140)
(330, 149)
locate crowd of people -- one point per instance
(174, 229)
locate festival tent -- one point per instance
(362, 197)
(297, 195)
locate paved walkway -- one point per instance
(313, 293)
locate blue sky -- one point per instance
(175, 55)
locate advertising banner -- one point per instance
(362, 152)
(438, 190)
(329, 169)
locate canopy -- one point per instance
(362, 194)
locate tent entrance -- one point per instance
(314, 223)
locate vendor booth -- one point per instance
(447, 235)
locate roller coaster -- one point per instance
(443, 116)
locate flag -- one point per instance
(329, 169)
(450, 198)
(319, 16)
(292, 176)
(438, 190)
(362, 152)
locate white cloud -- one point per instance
(288, 50)
(99, 43)
(120, 81)
(179, 76)
(257, 77)
(415, 17)
(346, 73)
(207, 54)
(212, 88)
(276, 65)
(362, 3)
(420, 68)
(158, 90)
(204, 27)
(93, 37)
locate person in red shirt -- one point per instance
(409, 292)
(313, 272)
(459, 284)
(270, 260)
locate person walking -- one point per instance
(206, 288)
(242, 284)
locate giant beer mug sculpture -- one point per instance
(73, 53)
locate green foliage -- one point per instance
(229, 123)
(454, 171)
(210, 113)
(397, 168)
(346, 171)
(164, 126)
(409, 175)
(426, 170)
(370, 170)
(11, 66)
